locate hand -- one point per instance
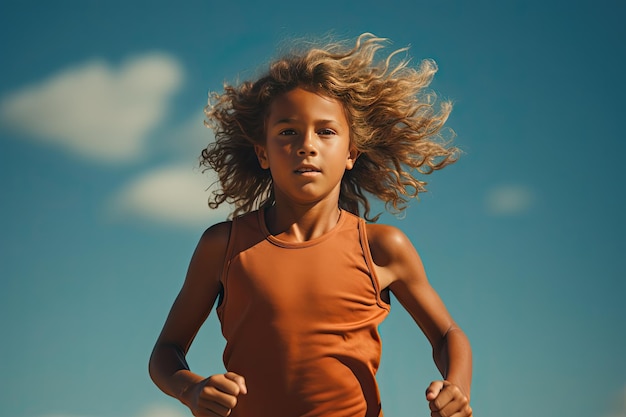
(447, 400)
(216, 395)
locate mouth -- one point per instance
(307, 170)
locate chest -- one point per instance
(322, 283)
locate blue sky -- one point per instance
(102, 202)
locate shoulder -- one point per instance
(214, 240)
(387, 242)
(219, 232)
(207, 260)
(393, 254)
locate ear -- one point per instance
(353, 154)
(261, 155)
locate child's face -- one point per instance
(307, 147)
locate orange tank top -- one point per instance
(301, 321)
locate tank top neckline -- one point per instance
(285, 244)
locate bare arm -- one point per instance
(168, 367)
(400, 269)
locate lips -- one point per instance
(302, 169)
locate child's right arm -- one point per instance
(212, 396)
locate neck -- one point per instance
(300, 223)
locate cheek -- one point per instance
(277, 155)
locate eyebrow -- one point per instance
(289, 120)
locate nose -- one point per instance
(307, 145)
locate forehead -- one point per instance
(304, 104)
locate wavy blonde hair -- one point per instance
(394, 125)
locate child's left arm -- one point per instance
(400, 269)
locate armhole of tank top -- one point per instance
(225, 266)
(370, 264)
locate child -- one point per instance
(301, 281)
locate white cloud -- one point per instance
(174, 195)
(94, 110)
(509, 200)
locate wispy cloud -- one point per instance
(95, 110)
(508, 200)
(175, 194)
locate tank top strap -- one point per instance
(244, 233)
(369, 260)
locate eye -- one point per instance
(287, 132)
(326, 132)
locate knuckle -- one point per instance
(208, 389)
(231, 402)
(211, 380)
